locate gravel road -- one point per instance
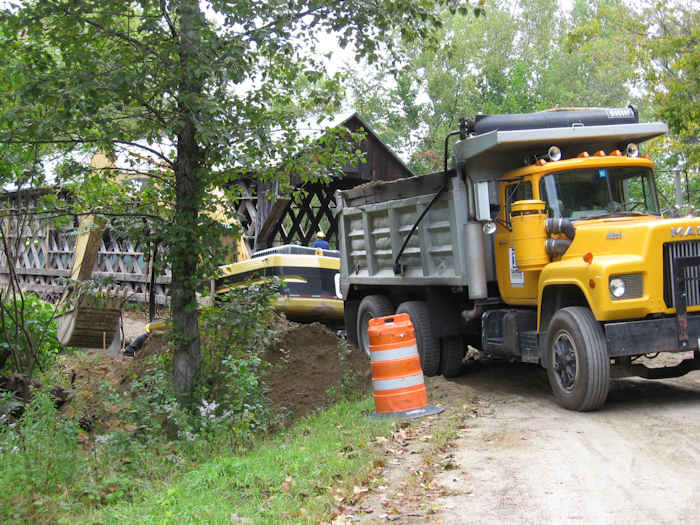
(525, 460)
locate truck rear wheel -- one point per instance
(370, 307)
(451, 355)
(428, 344)
(578, 366)
(350, 317)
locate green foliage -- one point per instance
(672, 72)
(512, 58)
(292, 478)
(28, 333)
(139, 433)
(38, 455)
(235, 332)
(663, 41)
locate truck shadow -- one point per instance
(635, 393)
(493, 378)
(504, 379)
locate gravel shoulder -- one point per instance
(516, 457)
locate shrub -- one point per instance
(140, 433)
(28, 334)
(39, 458)
(235, 332)
(231, 409)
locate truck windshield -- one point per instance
(599, 192)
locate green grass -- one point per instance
(291, 478)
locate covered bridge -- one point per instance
(45, 254)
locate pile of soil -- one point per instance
(91, 370)
(309, 367)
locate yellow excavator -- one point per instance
(310, 278)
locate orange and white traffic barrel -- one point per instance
(397, 377)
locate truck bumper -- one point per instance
(669, 334)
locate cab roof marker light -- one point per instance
(583, 155)
(616, 153)
(554, 154)
(541, 162)
(599, 153)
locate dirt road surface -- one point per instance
(518, 458)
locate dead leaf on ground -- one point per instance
(235, 518)
(287, 484)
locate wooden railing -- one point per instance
(44, 254)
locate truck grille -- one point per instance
(674, 254)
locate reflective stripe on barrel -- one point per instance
(398, 353)
(401, 382)
(397, 376)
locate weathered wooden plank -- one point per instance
(268, 229)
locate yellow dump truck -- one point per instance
(544, 243)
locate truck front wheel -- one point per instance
(428, 344)
(370, 307)
(578, 366)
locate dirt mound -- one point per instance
(92, 374)
(155, 345)
(310, 367)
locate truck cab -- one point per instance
(581, 239)
(590, 192)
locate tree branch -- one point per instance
(157, 114)
(111, 214)
(281, 18)
(55, 214)
(146, 148)
(91, 141)
(121, 35)
(164, 10)
(140, 172)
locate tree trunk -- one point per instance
(185, 248)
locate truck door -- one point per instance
(516, 286)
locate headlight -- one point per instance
(617, 287)
(626, 286)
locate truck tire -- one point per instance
(578, 366)
(428, 344)
(452, 351)
(350, 316)
(370, 307)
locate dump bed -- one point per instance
(375, 219)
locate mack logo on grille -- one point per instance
(684, 231)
